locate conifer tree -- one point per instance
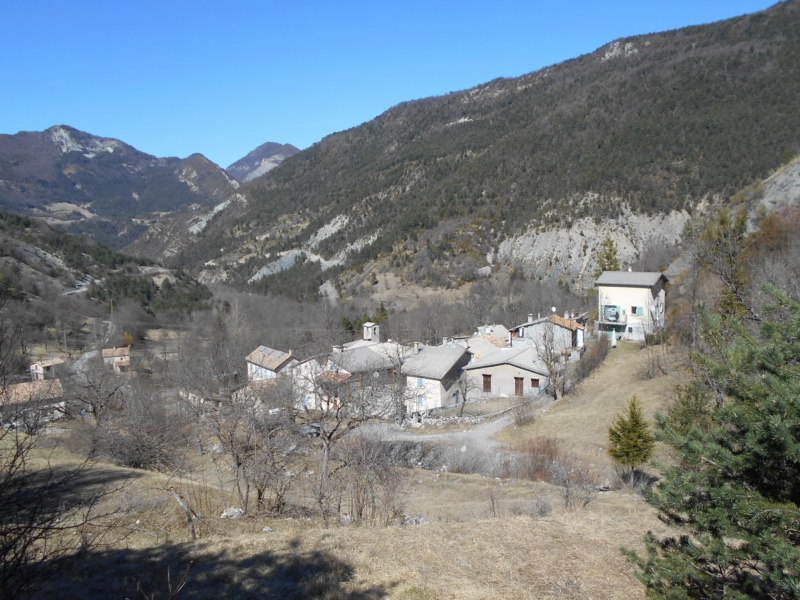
(734, 494)
(607, 258)
(630, 436)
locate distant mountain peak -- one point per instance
(68, 139)
(261, 160)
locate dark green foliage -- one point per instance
(734, 493)
(631, 440)
(722, 250)
(185, 294)
(300, 282)
(693, 113)
(607, 258)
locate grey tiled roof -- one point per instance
(523, 358)
(630, 278)
(434, 362)
(269, 358)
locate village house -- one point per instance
(562, 333)
(45, 369)
(631, 304)
(360, 371)
(118, 359)
(509, 372)
(432, 374)
(32, 403)
(265, 363)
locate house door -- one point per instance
(518, 386)
(487, 383)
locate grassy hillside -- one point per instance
(484, 537)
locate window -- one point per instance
(487, 383)
(420, 400)
(419, 381)
(637, 310)
(457, 396)
(534, 383)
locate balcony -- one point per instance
(611, 314)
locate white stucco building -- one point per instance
(631, 304)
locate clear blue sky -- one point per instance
(172, 77)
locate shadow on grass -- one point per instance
(157, 573)
(44, 516)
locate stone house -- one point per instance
(631, 304)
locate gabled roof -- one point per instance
(32, 391)
(434, 362)
(555, 319)
(566, 323)
(383, 355)
(522, 358)
(269, 358)
(125, 351)
(47, 363)
(630, 278)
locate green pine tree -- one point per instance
(607, 258)
(630, 437)
(734, 494)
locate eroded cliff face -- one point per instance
(780, 190)
(571, 254)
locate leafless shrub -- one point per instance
(494, 502)
(633, 479)
(142, 434)
(593, 356)
(538, 508)
(463, 460)
(524, 414)
(373, 489)
(578, 483)
(537, 460)
(543, 460)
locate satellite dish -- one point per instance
(553, 309)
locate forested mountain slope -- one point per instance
(649, 127)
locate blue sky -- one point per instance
(172, 77)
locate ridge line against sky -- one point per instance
(174, 78)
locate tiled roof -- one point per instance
(567, 323)
(32, 391)
(117, 352)
(523, 358)
(49, 362)
(434, 362)
(630, 278)
(269, 358)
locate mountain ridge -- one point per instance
(660, 125)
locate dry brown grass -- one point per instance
(486, 538)
(567, 555)
(581, 420)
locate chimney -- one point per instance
(530, 317)
(416, 347)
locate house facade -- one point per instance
(44, 369)
(432, 374)
(631, 304)
(118, 359)
(509, 372)
(265, 363)
(562, 333)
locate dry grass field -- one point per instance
(481, 538)
(581, 420)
